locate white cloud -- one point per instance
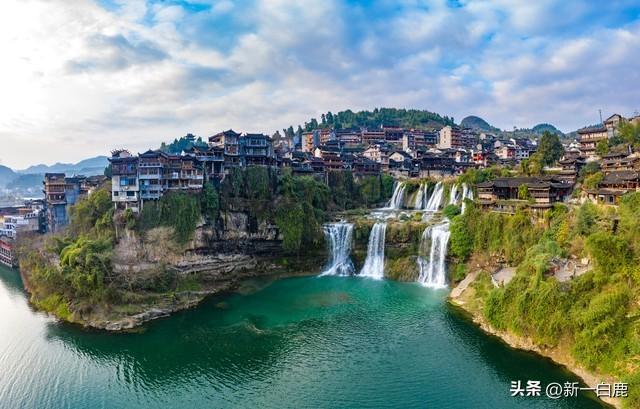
(81, 80)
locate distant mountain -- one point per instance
(87, 167)
(6, 175)
(541, 128)
(475, 122)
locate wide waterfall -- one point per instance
(397, 199)
(453, 195)
(420, 195)
(433, 271)
(435, 201)
(374, 263)
(339, 238)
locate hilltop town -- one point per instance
(599, 165)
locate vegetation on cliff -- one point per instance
(596, 314)
(298, 205)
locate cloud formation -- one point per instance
(81, 80)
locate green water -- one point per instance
(307, 342)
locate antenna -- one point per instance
(600, 112)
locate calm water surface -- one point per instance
(306, 342)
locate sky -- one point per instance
(79, 78)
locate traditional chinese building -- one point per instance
(589, 138)
(544, 191)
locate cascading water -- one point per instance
(466, 194)
(339, 238)
(420, 194)
(433, 272)
(374, 263)
(436, 198)
(453, 195)
(397, 199)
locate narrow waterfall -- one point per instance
(397, 199)
(453, 195)
(466, 194)
(433, 272)
(420, 194)
(374, 263)
(436, 198)
(339, 238)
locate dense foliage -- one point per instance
(597, 313)
(186, 142)
(407, 118)
(180, 211)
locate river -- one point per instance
(321, 342)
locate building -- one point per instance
(589, 138)
(613, 162)
(372, 137)
(544, 191)
(7, 253)
(56, 201)
(310, 140)
(570, 168)
(257, 150)
(450, 138)
(212, 160)
(378, 153)
(612, 123)
(125, 189)
(230, 141)
(614, 185)
(152, 169)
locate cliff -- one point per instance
(152, 276)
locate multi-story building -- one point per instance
(349, 136)
(7, 253)
(589, 138)
(125, 189)
(372, 137)
(212, 160)
(310, 140)
(257, 150)
(450, 138)
(56, 200)
(152, 168)
(230, 141)
(378, 153)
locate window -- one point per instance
(131, 194)
(116, 193)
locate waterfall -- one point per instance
(398, 196)
(466, 194)
(420, 194)
(453, 195)
(436, 198)
(374, 263)
(433, 272)
(339, 238)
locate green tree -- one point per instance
(523, 192)
(550, 148)
(630, 133)
(602, 148)
(210, 202)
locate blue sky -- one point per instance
(82, 79)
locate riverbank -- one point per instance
(463, 298)
(198, 280)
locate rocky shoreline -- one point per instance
(557, 355)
